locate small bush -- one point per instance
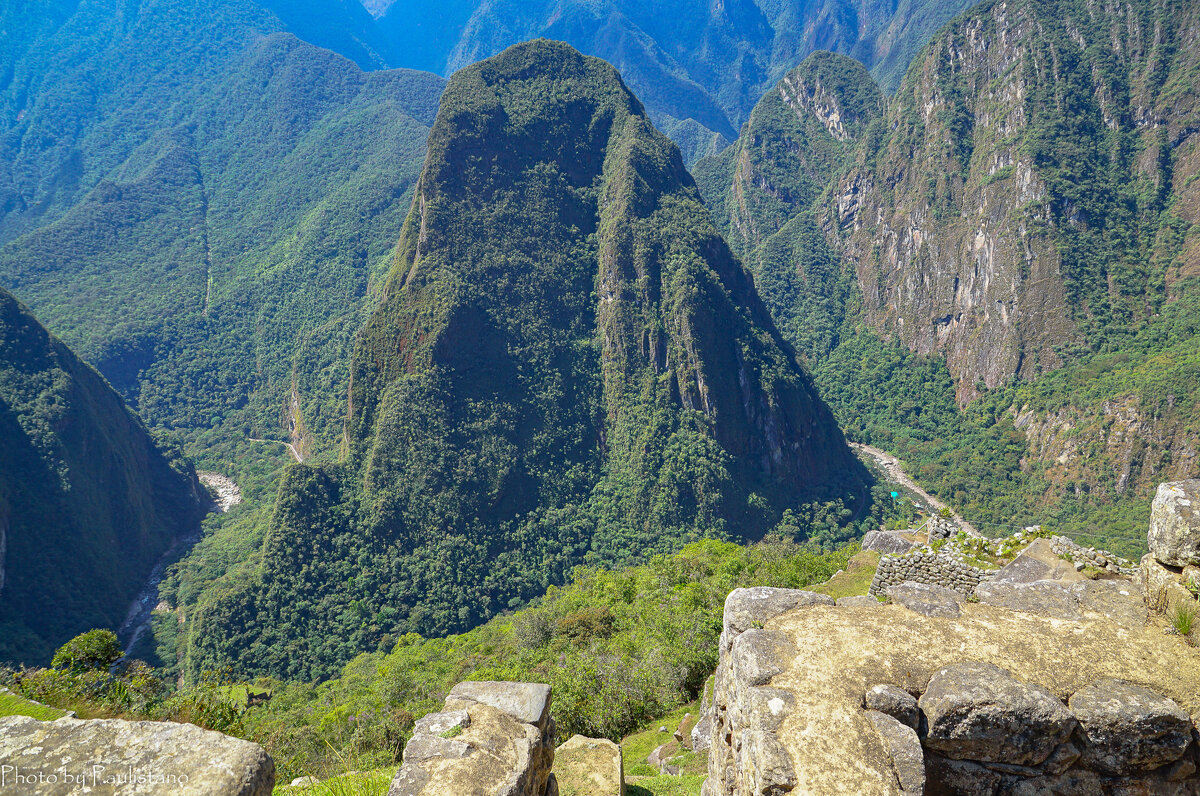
(95, 649)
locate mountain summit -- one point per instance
(567, 365)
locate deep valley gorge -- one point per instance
(384, 384)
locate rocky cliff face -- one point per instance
(1019, 201)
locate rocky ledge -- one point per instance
(1085, 698)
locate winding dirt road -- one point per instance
(891, 466)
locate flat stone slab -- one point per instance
(1128, 728)
(978, 711)
(927, 600)
(886, 542)
(131, 758)
(528, 703)
(1044, 597)
(746, 609)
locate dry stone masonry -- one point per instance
(1049, 683)
(1083, 557)
(490, 739)
(937, 568)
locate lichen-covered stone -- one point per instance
(589, 767)
(894, 702)
(1162, 587)
(904, 748)
(1048, 598)
(1174, 535)
(886, 542)
(746, 609)
(109, 756)
(978, 711)
(1127, 728)
(759, 655)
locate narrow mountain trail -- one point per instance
(291, 448)
(891, 466)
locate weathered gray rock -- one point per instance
(491, 739)
(446, 721)
(1075, 782)
(589, 767)
(702, 734)
(1174, 535)
(528, 703)
(759, 655)
(1119, 601)
(1162, 586)
(746, 609)
(953, 777)
(1023, 569)
(98, 756)
(904, 748)
(894, 702)
(977, 711)
(886, 542)
(1043, 597)
(1128, 728)
(925, 599)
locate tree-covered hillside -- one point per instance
(227, 221)
(568, 364)
(996, 278)
(699, 66)
(88, 501)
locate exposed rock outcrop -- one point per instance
(1174, 535)
(490, 738)
(109, 756)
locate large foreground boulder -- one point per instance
(1174, 534)
(1128, 728)
(131, 758)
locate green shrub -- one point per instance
(95, 649)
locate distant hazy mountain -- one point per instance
(699, 66)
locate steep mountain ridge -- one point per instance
(700, 67)
(1016, 205)
(88, 501)
(567, 364)
(1014, 235)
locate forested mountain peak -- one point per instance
(567, 364)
